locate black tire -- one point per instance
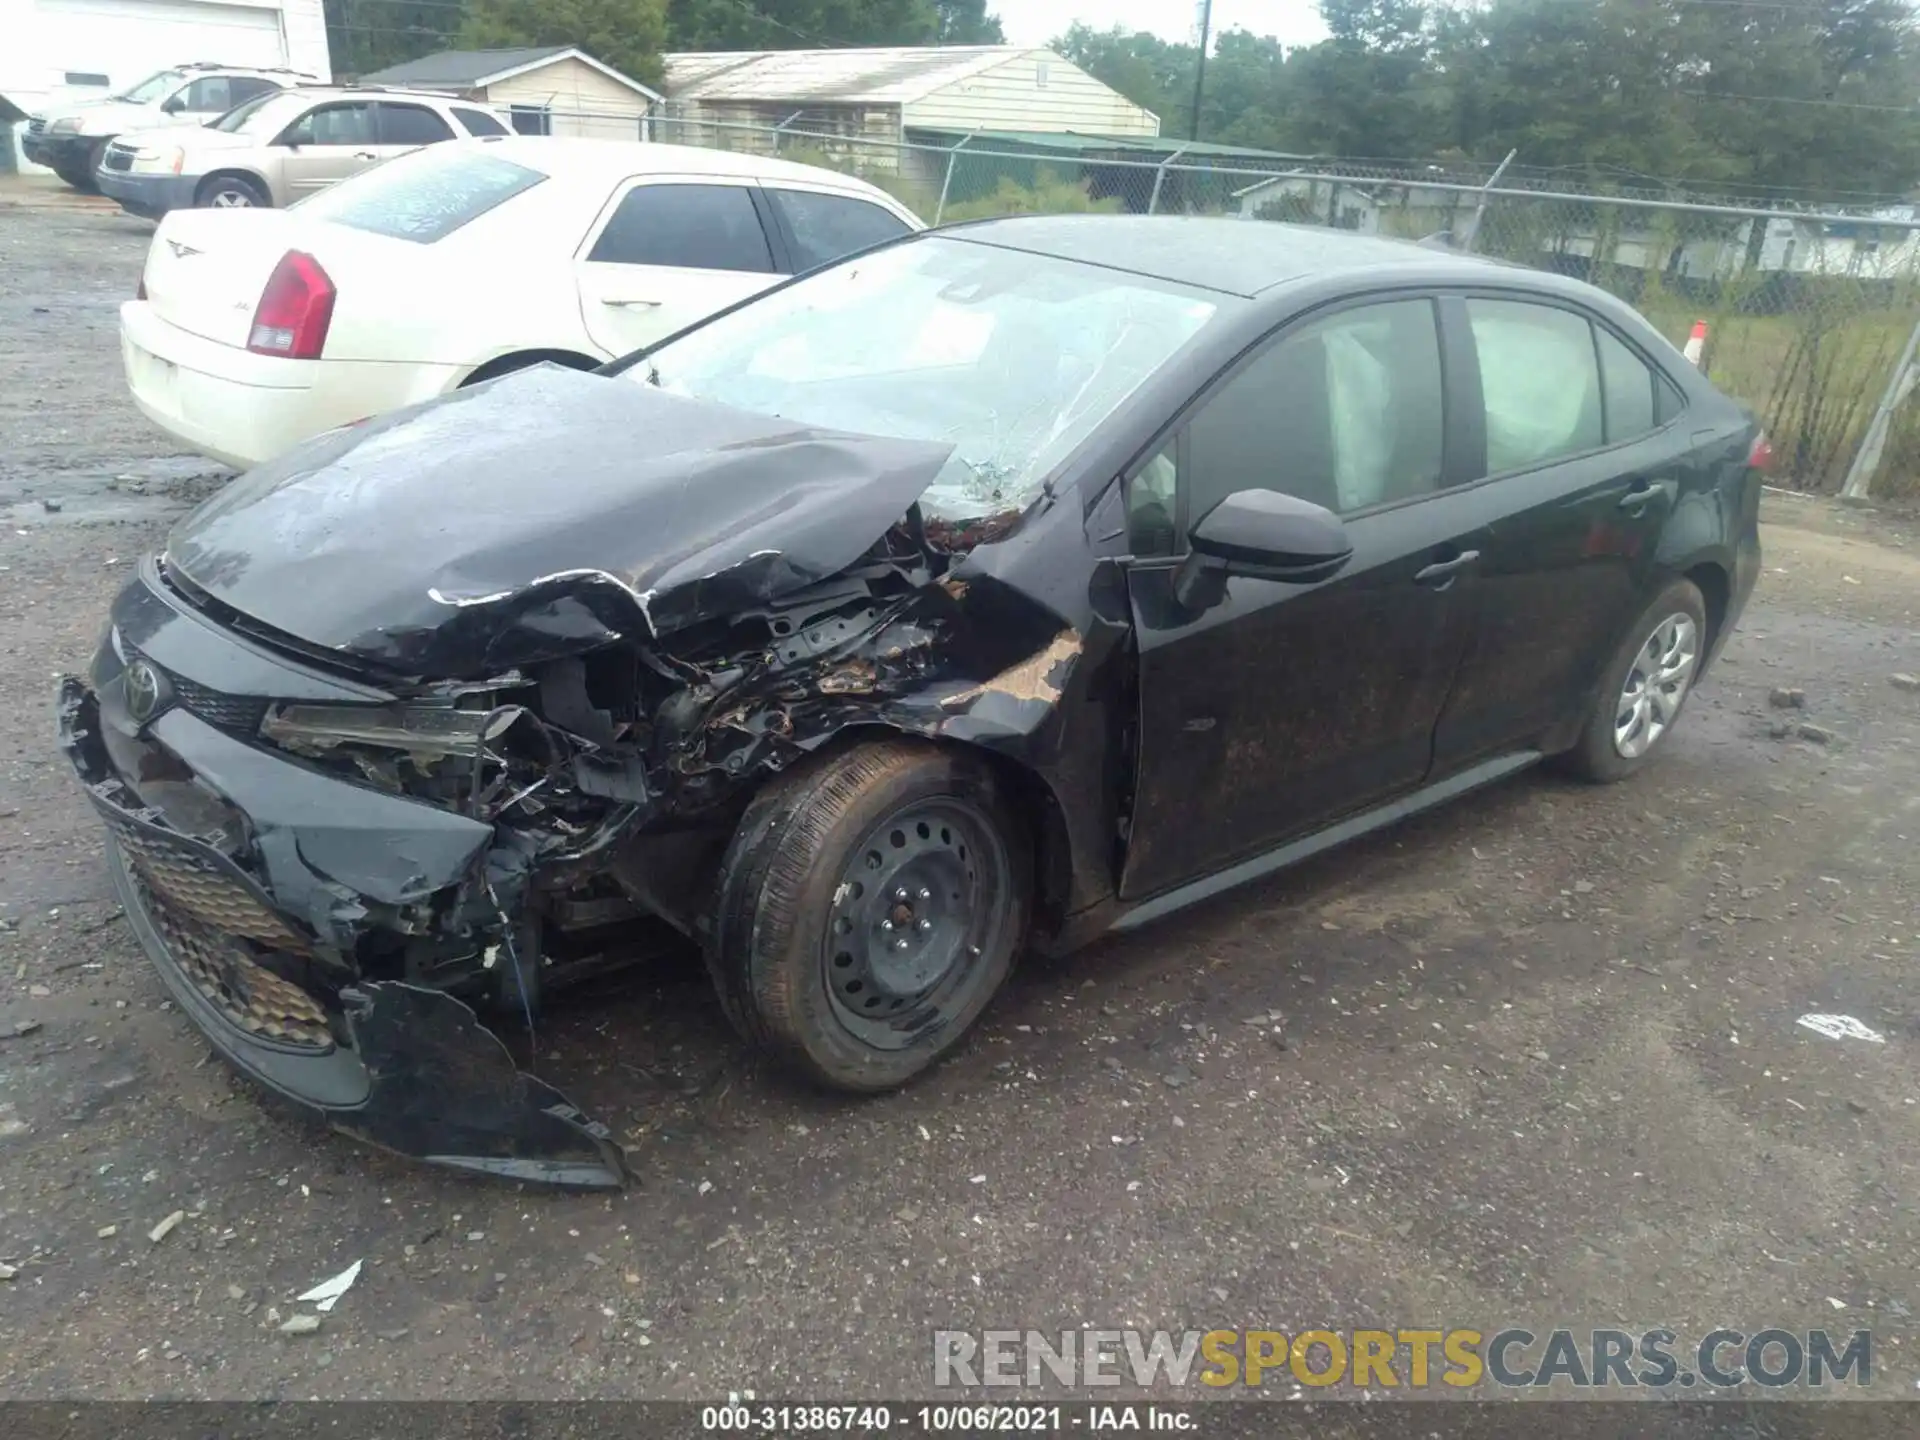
(230, 191)
(526, 360)
(96, 154)
(807, 919)
(75, 179)
(1598, 757)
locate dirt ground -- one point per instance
(1533, 1059)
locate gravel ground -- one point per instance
(1532, 1060)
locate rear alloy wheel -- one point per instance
(870, 906)
(230, 192)
(1645, 686)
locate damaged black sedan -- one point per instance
(984, 592)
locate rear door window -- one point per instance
(249, 87)
(209, 95)
(412, 125)
(1539, 380)
(1630, 387)
(826, 227)
(688, 227)
(423, 197)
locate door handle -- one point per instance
(630, 304)
(1641, 495)
(1440, 574)
(365, 155)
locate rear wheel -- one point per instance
(230, 192)
(1645, 685)
(870, 906)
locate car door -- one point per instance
(327, 144)
(1584, 448)
(402, 127)
(669, 250)
(821, 225)
(1287, 705)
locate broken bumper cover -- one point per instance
(406, 1068)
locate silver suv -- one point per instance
(71, 140)
(279, 147)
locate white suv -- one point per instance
(281, 147)
(71, 140)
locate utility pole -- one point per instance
(1200, 78)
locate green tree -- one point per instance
(967, 22)
(823, 24)
(1369, 89)
(1795, 101)
(1149, 71)
(367, 35)
(626, 34)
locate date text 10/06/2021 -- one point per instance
(751, 1418)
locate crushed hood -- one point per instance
(540, 514)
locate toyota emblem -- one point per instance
(143, 691)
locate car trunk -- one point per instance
(206, 268)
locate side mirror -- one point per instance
(1263, 534)
(174, 106)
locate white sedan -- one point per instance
(255, 329)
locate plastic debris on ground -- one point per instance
(327, 1293)
(1841, 1027)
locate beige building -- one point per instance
(887, 95)
(545, 90)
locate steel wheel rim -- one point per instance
(1655, 686)
(232, 200)
(914, 917)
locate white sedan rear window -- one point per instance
(422, 196)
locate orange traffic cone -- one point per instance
(1696, 343)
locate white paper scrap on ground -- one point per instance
(1841, 1027)
(327, 1293)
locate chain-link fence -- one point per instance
(1809, 317)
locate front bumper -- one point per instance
(398, 1065)
(56, 152)
(148, 196)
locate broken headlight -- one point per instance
(477, 761)
(427, 732)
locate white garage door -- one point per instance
(127, 40)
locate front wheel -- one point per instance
(869, 907)
(230, 192)
(1645, 685)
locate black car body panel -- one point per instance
(589, 508)
(636, 609)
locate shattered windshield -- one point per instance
(1012, 358)
(153, 87)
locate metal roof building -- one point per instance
(883, 94)
(547, 89)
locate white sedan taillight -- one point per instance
(295, 310)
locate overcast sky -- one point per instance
(1034, 22)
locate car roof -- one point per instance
(1237, 257)
(378, 92)
(587, 158)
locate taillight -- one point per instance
(294, 311)
(1760, 457)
